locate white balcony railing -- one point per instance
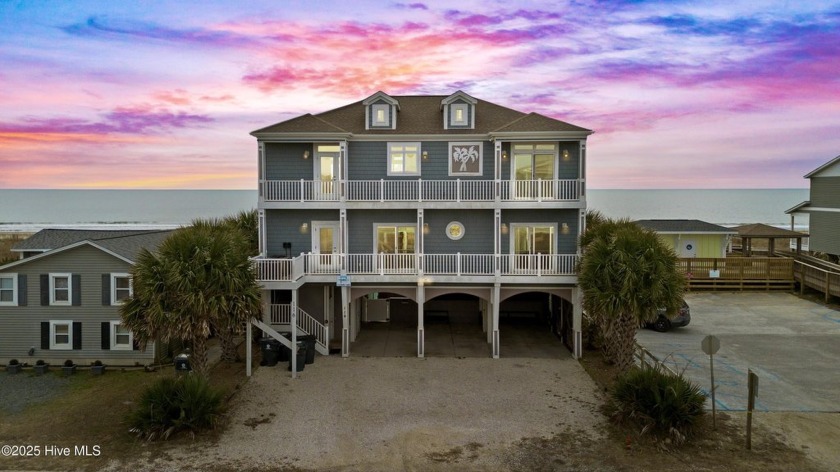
(287, 270)
(420, 190)
(281, 314)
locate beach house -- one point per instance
(60, 301)
(421, 206)
(823, 208)
(692, 238)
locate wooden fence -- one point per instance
(738, 273)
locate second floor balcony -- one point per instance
(389, 265)
(419, 190)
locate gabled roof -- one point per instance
(798, 208)
(123, 244)
(381, 96)
(760, 230)
(455, 96)
(684, 226)
(420, 114)
(824, 167)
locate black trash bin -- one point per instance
(309, 341)
(301, 357)
(270, 349)
(285, 353)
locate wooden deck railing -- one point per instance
(738, 273)
(824, 280)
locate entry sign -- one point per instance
(343, 280)
(710, 345)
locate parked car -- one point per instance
(662, 323)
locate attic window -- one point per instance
(380, 115)
(459, 114)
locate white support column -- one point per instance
(421, 337)
(248, 342)
(294, 309)
(261, 170)
(345, 322)
(420, 243)
(342, 240)
(497, 242)
(577, 323)
(495, 330)
(261, 228)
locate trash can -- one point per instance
(285, 353)
(270, 349)
(182, 362)
(309, 341)
(301, 357)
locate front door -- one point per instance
(688, 248)
(325, 245)
(326, 172)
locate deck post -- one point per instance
(577, 323)
(495, 331)
(421, 300)
(345, 322)
(294, 309)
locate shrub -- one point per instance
(97, 363)
(658, 401)
(68, 363)
(174, 405)
(14, 362)
(40, 362)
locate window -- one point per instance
(380, 115)
(121, 337)
(121, 288)
(61, 335)
(459, 114)
(395, 239)
(403, 158)
(8, 289)
(60, 289)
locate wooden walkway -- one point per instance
(738, 273)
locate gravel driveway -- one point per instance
(401, 414)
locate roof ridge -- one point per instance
(138, 232)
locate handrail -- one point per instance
(281, 314)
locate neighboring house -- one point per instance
(692, 238)
(823, 208)
(61, 300)
(443, 202)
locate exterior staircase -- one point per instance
(281, 320)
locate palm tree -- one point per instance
(199, 278)
(626, 274)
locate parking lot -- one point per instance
(793, 345)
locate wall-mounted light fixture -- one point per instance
(504, 155)
(426, 228)
(566, 155)
(504, 228)
(564, 228)
(304, 228)
(306, 154)
(425, 155)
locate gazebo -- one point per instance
(761, 231)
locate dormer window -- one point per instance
(458, 111)
(381, 111)
(380, 115)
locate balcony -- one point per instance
(488, 265)
(420, 190)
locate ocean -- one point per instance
(32, 210)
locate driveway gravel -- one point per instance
(17, 391)
(399, 414)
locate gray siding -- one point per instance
(285, 226)
(20, 327)
(825, 192)
(360, 226)
(478, 232)
(824, 229)
(369, 161)
(285, 161)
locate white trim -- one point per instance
(385, 110)
(115, 346)
(417, 155)
(114, 277)
(464, 108)
(14, 289)
(69, 277)
(61, 346)
(65, 248)
(479, 145)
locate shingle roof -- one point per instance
(759, 230)
(422, 115)
(684, 226)
(126, 243)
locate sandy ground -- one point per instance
(816, 434)
(383, 414)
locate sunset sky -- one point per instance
(681, 94)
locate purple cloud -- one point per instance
(132, 30)
(123, 120)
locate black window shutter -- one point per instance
(77, 290)
(45, 335)
(45, 290)
(77, 335)
(106, 335)
(21, 289)
(106, 289)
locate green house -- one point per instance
(692, 238)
